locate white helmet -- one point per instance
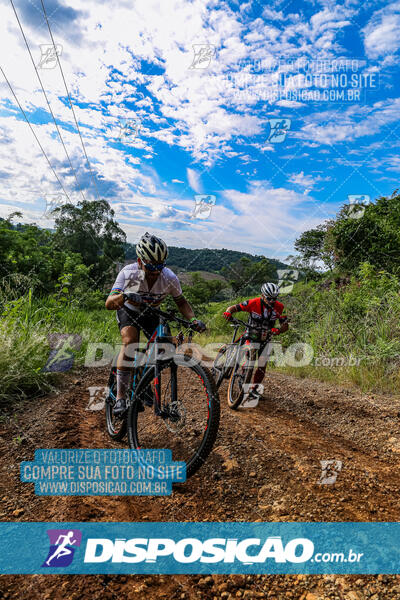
(270, 290)
(151, 249)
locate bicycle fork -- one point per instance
(157, 391)
(165, 411)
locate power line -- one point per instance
(47, 100)
(69, 98)
(36, 137)
(44, 152)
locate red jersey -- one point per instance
(261, 316)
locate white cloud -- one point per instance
(132, 60)
(302, 180)
(197, 110)
(355, 122)
(290, 103)
(194, 180)
(165, 212)
(280, 217)
(381, 34)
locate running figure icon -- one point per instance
(62, 549)
(63, 543)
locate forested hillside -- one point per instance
(57, 282)
(205, 259)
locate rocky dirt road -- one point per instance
(265, 466)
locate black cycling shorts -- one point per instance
(144, 320)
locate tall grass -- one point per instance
(25, 326)
(361, 319)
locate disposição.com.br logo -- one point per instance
(63, 543)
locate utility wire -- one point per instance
(69, 98)
(47, 100)
(41, 147)
(33, 131)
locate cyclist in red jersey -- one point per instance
(263, 311)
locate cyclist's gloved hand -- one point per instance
(275, 331)
(198, 325)
(132, 297)
(227, 315)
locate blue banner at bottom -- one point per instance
(197, 548)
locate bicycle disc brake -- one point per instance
(174, 416)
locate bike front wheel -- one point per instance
(186, 418)
(241, 376)
(116, 426)
(220, 368)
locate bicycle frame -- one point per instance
(161, 333)
(145, 388)
(237, 341)
(151, 354)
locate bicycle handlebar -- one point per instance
(236, 322)
(169, 316)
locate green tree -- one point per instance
(373, 237)
(90, 228)
(368, 235)
(200, 292)
(244, 275)
(315, 245)
(29, 251)
(205, 259)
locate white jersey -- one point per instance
(133, 279)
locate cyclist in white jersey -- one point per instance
(153, 281)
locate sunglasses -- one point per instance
(154, 267)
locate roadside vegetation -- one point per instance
(345, 304)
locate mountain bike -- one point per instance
(235, 361)
(172, 402)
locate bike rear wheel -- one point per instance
(241, 375)
(219, 368)
(116, 426)
(189, 424)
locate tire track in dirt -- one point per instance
(265, 466)
(366, 486)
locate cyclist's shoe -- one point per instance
(254, 395)
(119, 407)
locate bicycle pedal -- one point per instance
(250, 401)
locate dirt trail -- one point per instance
(265, 466)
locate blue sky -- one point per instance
(275, 112)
